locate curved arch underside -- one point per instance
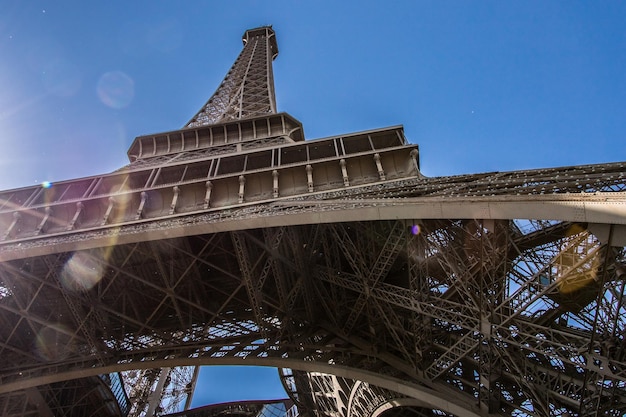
(467, 316)
(600, 208)
(419, 395)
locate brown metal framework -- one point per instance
(248, 88)
(240, 243)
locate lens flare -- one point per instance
(415, 230)
(116, 89)
(81, 272)
(53, 344)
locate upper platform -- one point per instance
(265, 31)
(216, 139)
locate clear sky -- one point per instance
(479, 85)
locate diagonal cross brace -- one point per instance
(379, 270)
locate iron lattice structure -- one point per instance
(248, 88)
(373, 288)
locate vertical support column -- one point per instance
(275, 185)
(242, 185)
(207, 195)
(144, 197)
(309, 176)
(379, 167)
(174, 199)
(344, 172)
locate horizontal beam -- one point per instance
(601, 208)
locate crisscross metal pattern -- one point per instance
(529, 321)
(248, 88)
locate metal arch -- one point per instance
(593, 208)
(429, 396)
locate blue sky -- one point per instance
(218, 384)
(479, 85)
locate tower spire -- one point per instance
(248, 88)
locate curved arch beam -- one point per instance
(602, 208)
(425, 396)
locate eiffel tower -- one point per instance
(373, 288)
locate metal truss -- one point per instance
(248, 88)
(514, 317)
(375, 289)
(328, 395)
(161, 390)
